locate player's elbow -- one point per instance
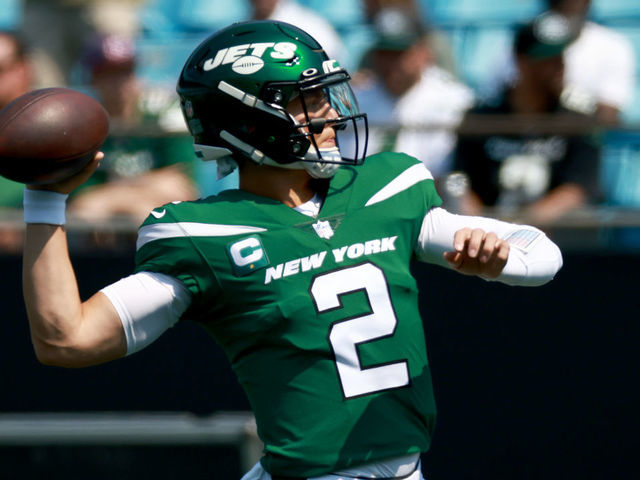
(545, 269)
(50, 355)
(56, 355)
(535, 268)
(47, 354)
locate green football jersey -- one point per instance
(318, 316)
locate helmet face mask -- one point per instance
(236, 86)
(332, 91)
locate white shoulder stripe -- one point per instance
(405, 180)
(158, 231)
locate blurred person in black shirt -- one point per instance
(543, 175)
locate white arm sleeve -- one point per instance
(533, 258)
(148, 304)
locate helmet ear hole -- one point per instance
(273, 95)
(298, 147)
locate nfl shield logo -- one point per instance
(323, 229)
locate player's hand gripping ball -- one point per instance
(50, 134)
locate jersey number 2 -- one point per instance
(346, 335)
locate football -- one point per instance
(50, 134)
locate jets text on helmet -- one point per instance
(280, 51)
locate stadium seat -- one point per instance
(477, 12)
(162, 17)
(631, 114)
(358, 40)
(11, 14)
(607, 11)
(158, 17)
(161, 59)
(620, 168)
(342, 14)
(205, 15)
(632, 32)
(478, 52)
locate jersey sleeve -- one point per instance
(397, 190)
(402, 178)
(148, 304)
(169, 257)
(168, 244)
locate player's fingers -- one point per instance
(498, 260)
(503, 250)
(86, 172)
(453, 258)
(460, 239)
(70, 184)
(488, 247)
(98, 157)
(475, 242)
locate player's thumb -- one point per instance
(453, 258)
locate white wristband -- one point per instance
(44, 206)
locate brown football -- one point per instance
(50, 134)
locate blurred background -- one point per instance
(526, 110)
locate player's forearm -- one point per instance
(65, 331)
(50, 289)
(533, 258)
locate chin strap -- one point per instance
(325, 169)
(222, 156)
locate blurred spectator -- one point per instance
(291, 11)
(111, 63)
(57, 31)
(120, 17)
(439, 45)
(412, 104)
(145, 165)
(15, 68)
(16, 77)
(599, 64)
(546, 175)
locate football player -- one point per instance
(301, 275)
